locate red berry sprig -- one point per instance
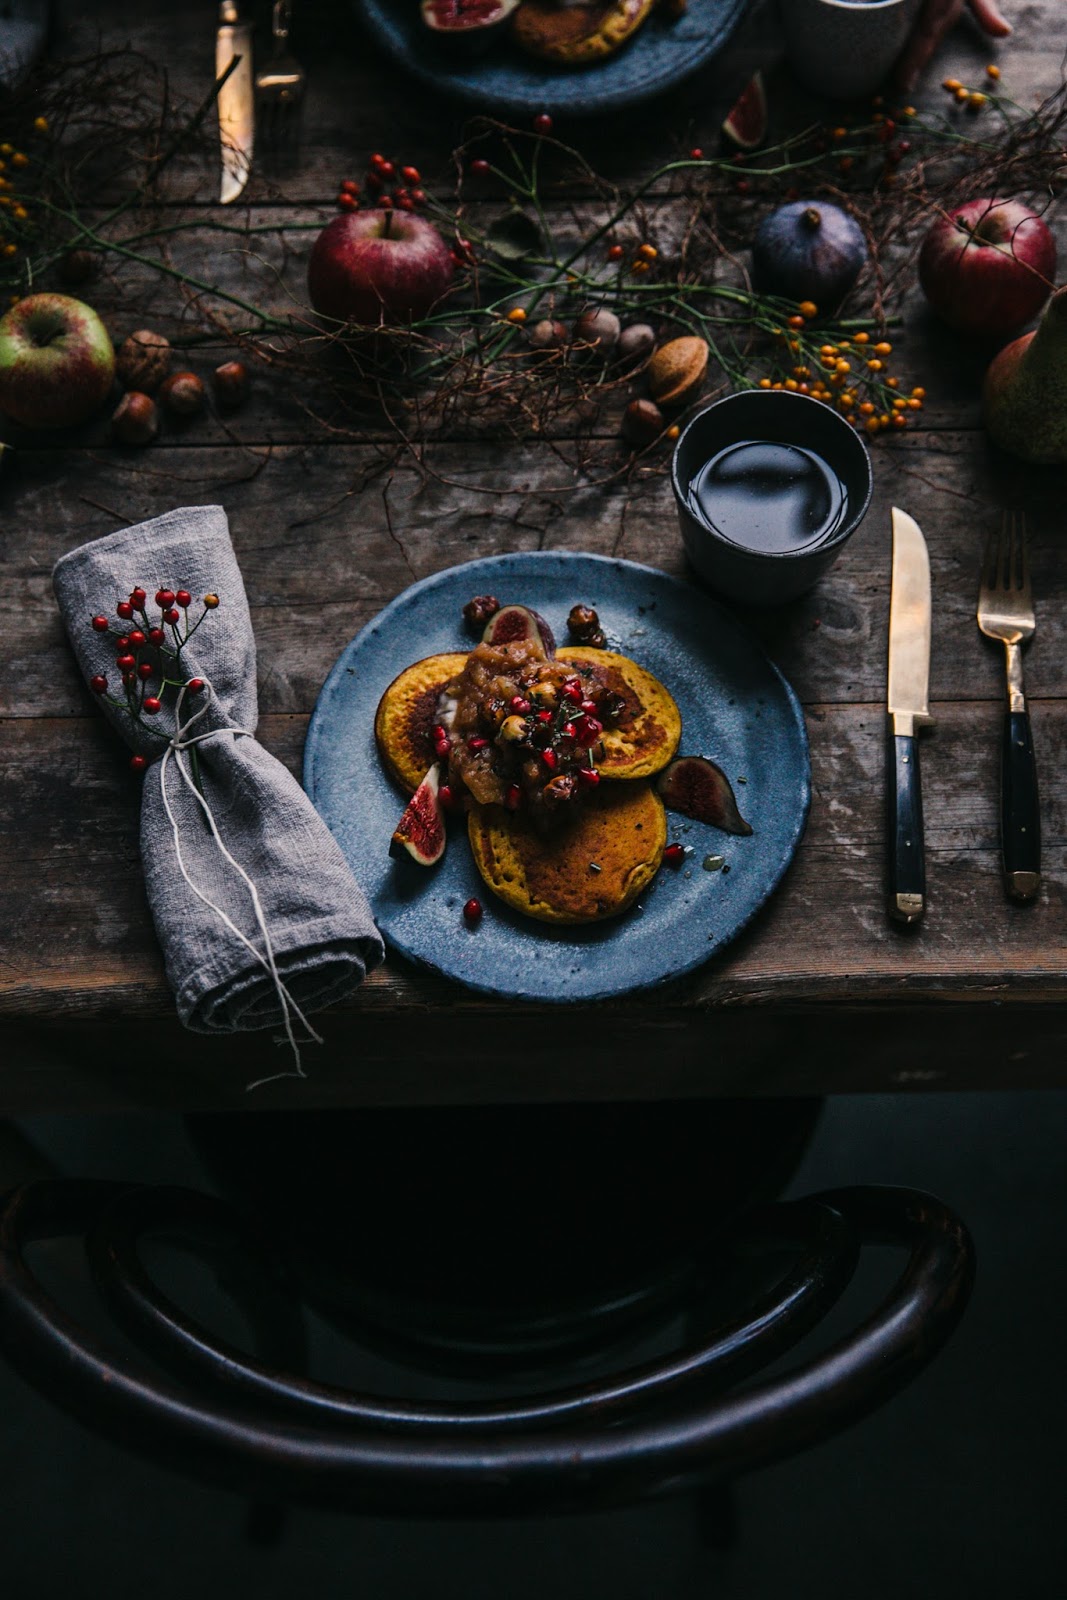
(148, 653)
(379, 187)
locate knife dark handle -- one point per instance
(907, 868)
(1020, 816)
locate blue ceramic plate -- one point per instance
(505, 80)
(736, 707)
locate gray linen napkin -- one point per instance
(321, 931)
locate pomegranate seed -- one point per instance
(477, 743)
(347, 202)
(183, 598)
(138, 763)
(438, 731)
(442, 749)
(138, 597)
(472, 913)
(544, 716)
(125, 663)
(542, 123)
(479, 167)
(146, 669)
(446, 796)
(124, 610)
(100, 624)
(549, 759)
(156, 636)
(572, 692)
(513, 798)
(172, 615)
(410, 174)
(195, 685)
(568, 731)
(151, 705)
(589, 732)
(137, 638)
(98, 684)
(589, 707)
(164, 597)
(589, 776)
(518, 705)
(674, 855)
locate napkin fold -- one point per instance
(257, 912)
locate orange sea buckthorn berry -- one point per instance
(891, 383)
(861, 338)
(962, 96)
(7, 149)
(40, 124)
(871, 424)
(827, 349)
(952, 84)
(639, 268)
(802, 372)
(842, 366)
(765, 383)
(847, 397)
(11, 249)
(874, 366)
(790, 384)
(516, 314)
(840, 133)
(883, 349)
(808, 308)
(976, 100)
(793, 346)
(883, 420)
(915, 405)
(899, 405)
(900, 420)
(795, 322)
(673, 431)
(908, 111)
(867, 408)
(776, 386)
(648, 252)
(992, 71)
(20, 212)
(19, 160)
(918, 394)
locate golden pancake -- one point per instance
(648, 729)
(620, 828)
(406, 715)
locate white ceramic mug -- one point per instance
(845, 48)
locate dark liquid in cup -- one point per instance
(774, 498)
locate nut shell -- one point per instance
(183, 394)
(143, 360)
(642, 422)
(677, 370)
(232, 384)
(135, 419)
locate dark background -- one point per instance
(955, 1487)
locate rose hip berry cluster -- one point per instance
(386, 185)
(148, 651)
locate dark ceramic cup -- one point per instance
(778, 416)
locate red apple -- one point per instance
(988, 266)
(378, 266)
(57, 362)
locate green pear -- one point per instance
(1025, 391)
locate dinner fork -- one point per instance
(1006, 613)
(279, 85)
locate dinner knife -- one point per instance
(236, 121)
(908, 688)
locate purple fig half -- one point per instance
(699, 789)
(513, 623)
(420, 833)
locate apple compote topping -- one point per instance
(522, 730)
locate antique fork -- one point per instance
(1006, 613)
(279, 85)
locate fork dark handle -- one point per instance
(1020, 814)
(907, 864)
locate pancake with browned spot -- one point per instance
(620, 829)
(646, 733)
(406, 715)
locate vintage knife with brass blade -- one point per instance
(909, 681)
(236, 124)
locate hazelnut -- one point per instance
(231, 385)
(547, 335)
(76, 267)
(635, 343)
(136, 419)
(677, 370)
(182, 394)
(143, 360)
(543, 694)
(513, 729)
(600, 327)
(642, 422)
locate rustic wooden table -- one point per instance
(822, 994)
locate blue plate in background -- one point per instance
(505, 80)
(736, 707)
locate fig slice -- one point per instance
(420, 833)
(470, 22)
(699, 789)
(514, 623)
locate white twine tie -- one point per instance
(182, 740)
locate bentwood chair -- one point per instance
(487, 1244)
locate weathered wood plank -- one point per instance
(320, 556)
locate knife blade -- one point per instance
(236, 118)
(908, 708)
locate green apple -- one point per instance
(57, 362)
